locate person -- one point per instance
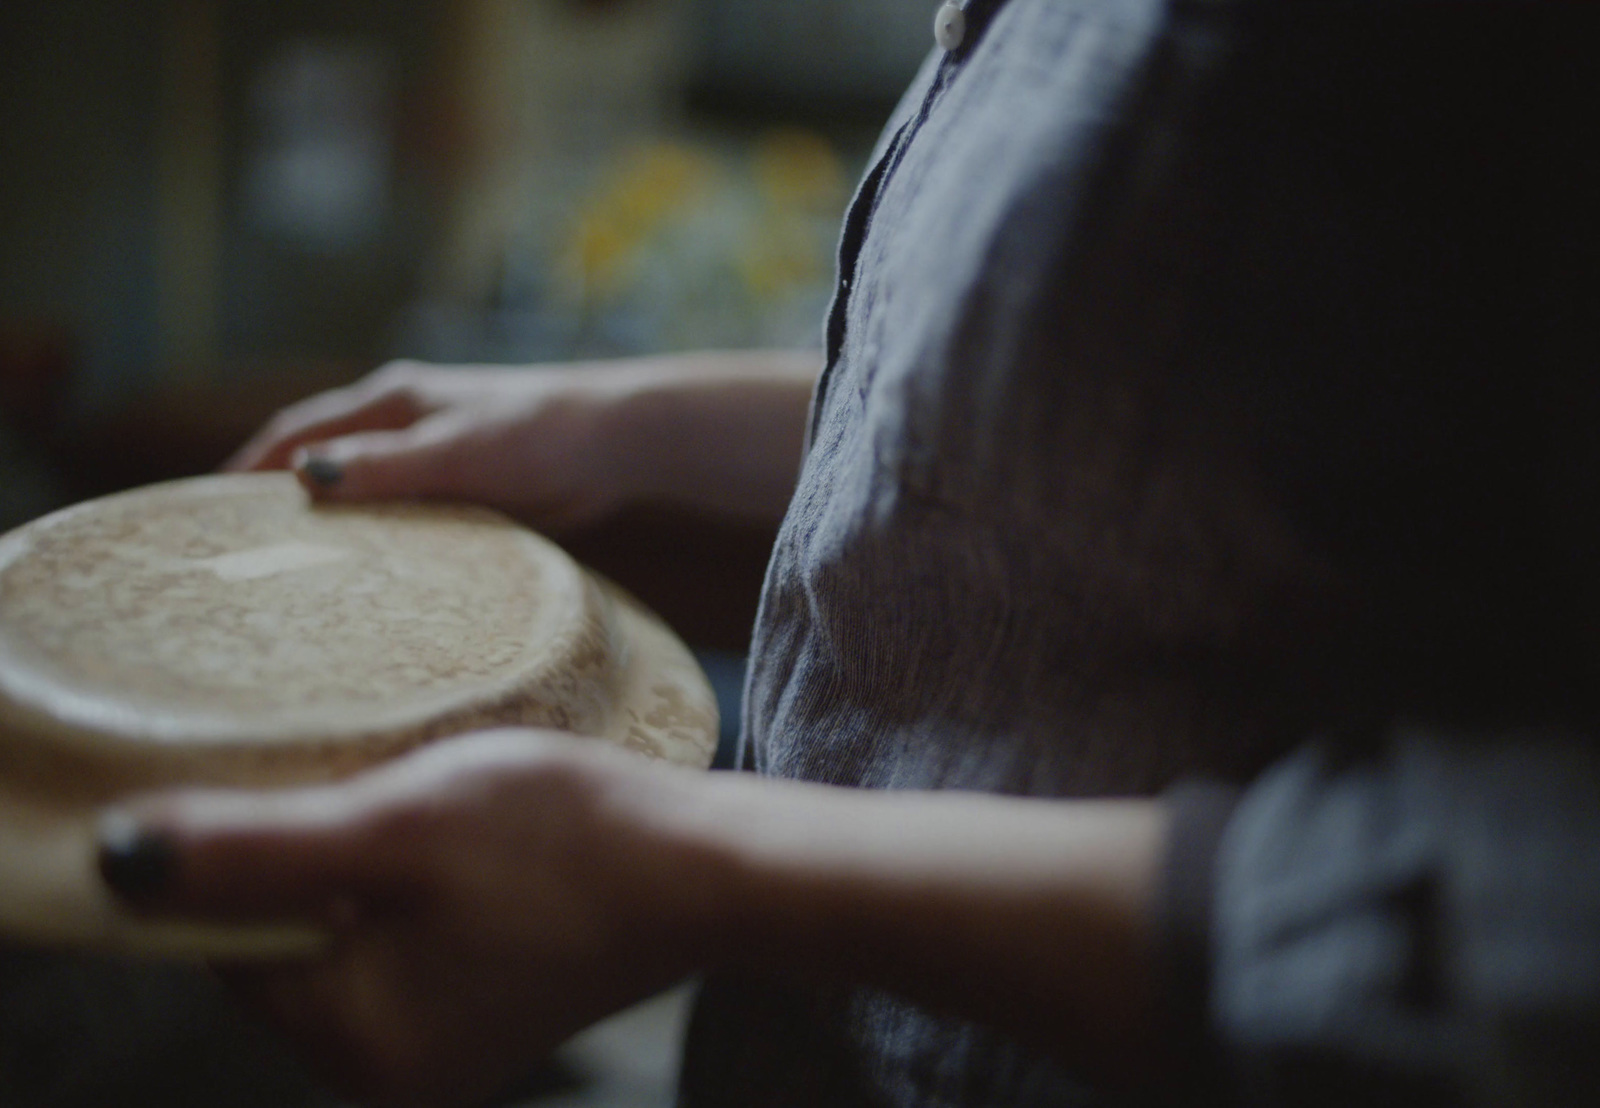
(1175, 673)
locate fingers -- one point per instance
(316, 853)
(459, 454)
(480, 940)
(300, 854)
(372, 405)
(418, 461)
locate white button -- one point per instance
(949, 27)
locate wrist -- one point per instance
(717, 431)
(679, 866)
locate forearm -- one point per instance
(1032, 916)
(716, 431)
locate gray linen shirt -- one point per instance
(1150, 443)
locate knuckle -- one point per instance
(397, 379)
(395, 383)
(410, 397)
(405, 829)
(450, 459)
(396, 372)
(285, 422)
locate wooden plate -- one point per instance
(225, 631)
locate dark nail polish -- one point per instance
(323, 471)
(135, 862)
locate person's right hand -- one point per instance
(486, 896)
(531, 442)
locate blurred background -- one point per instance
(210, 208)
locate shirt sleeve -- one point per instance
(1419, 925)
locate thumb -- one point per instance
(418, 461)
(288, 854)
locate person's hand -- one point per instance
(557, 446)
(489, 896)
(532, 442)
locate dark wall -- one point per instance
(79, 90)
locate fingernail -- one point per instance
(324, 472)
(135, 862)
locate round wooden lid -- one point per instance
(223, 630)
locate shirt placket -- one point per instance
(956, 29)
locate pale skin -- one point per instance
(560, 445)
(491, 895)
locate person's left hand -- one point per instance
(489, 896)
